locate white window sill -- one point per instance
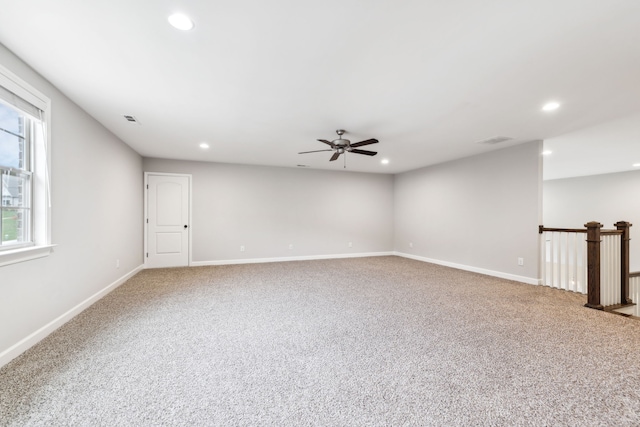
(25, 254)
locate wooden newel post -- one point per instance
(593, 265)
(624, 261)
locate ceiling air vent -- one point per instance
(495, 140)
(131, 119)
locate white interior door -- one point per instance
(167, 221)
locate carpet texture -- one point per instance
(382, 341)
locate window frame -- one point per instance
(40, 183)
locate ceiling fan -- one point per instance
(341, 146)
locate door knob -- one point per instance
(185, 226)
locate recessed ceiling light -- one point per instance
(204, 145)
(551, 106)
(636, 165)
(546, 152)
(384, 161)
(181, 22)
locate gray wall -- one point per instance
(480, 212)
(608, 198)
(267, 208)
(96, 219)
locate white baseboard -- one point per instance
(508, 276)
(282, 259)
(23, 345)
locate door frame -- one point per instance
(145, 220)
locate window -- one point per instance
(15, 173)
(24, 171)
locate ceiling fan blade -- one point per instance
(327, 142)
(334, 157)
(315, 151)
(365, 152)
(367, 142)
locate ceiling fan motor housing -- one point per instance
(341, 142)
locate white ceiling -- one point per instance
(260, 81)
(613, 146)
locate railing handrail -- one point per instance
(634, 274)
(542, 229)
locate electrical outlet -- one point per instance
(410, 244)
(290, 245)
(520, 261)
(117, 263)
(350, 244)
(241, 248)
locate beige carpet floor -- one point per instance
(382, 341)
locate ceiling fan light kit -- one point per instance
(342, 146)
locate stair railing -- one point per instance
(563, 258)
(597, 265)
